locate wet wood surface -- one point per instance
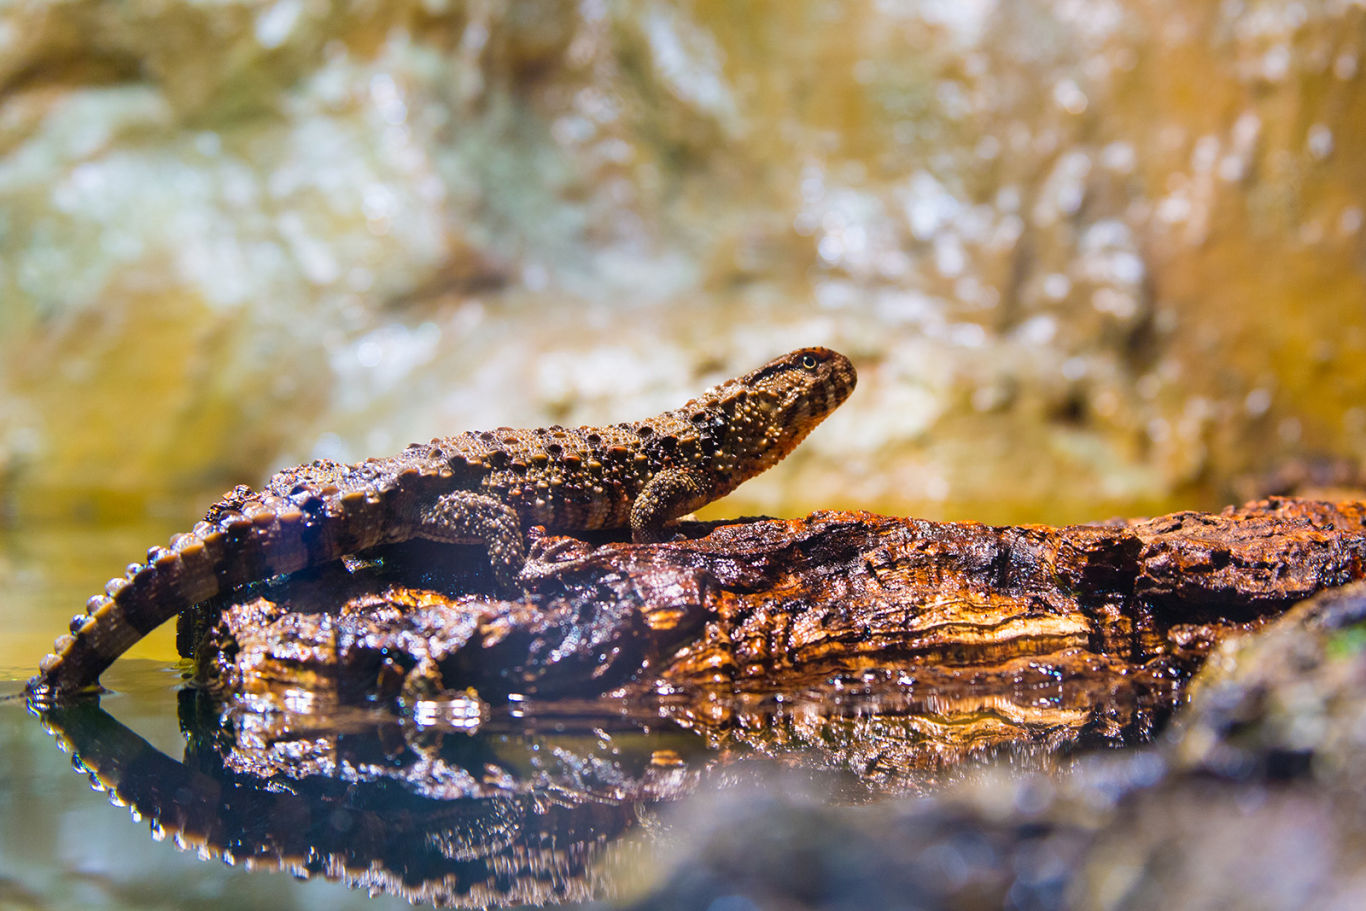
(768, 606)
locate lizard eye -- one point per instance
(809, 361)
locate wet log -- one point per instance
(772, 606)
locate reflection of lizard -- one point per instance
(474, 487)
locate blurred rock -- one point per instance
(1119, 243)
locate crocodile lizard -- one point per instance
(475, 487)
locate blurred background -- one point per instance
(1091, 258)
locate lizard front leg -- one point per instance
(462, 517)
(666, 496)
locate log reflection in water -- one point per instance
(523, 807)
(493, 845)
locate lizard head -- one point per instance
(803, 386)
(772, 409)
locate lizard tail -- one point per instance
(238, 542)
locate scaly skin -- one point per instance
(474, 487)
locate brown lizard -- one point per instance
(470, 488)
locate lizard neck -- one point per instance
(734, 433)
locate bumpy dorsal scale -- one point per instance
(473, 487)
